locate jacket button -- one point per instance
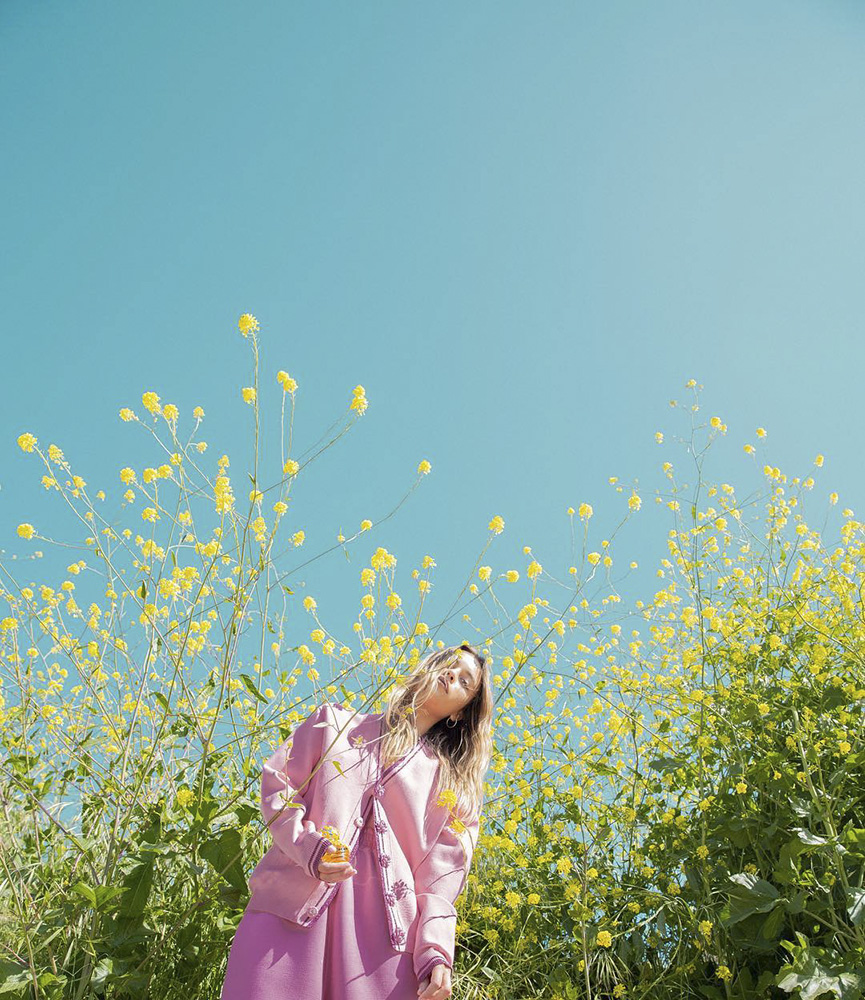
(309, 912)
(359, 822)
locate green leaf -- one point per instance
(142, 591)
(856, 908)
(772, 924)
(137, 885)
(666, 764)
(807, 837)
(813, 979)
(249, 684)
(225, 854)
(84, 890)
(749, 895)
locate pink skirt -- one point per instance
(345, 955)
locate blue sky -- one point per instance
(521, 227)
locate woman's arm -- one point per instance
(439, 880)
(285, 787)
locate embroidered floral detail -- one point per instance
(358, 741)
(390, 899)
(400, 888)
(397, 936)
(380, 825)
(384, 860)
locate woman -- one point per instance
(383, 924)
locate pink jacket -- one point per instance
(423, 862)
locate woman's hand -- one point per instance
(437, 984)
(335, 871)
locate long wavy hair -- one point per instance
(463, 750)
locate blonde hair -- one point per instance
(463, 750)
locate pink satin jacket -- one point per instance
(423, 861)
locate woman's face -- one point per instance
(456, 685)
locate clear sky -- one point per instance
(520, 226)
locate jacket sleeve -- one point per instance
(285, 780)
(439, 880)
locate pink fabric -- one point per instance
(419, 861)
(337, 958)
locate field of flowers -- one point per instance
(675, 805)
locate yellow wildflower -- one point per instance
(247, 324)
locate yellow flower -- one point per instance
(741, 787)
(127, 414)
(659, 437)
(223, 495)
(761, 432)
(594, 558)
(184, 797)
(286, 381)
(359, 400)
(198, 413)
(127, 475)
(705, 928)
(586, 510)
(833, 498)
(290, 468)
(512, 576)
(497, 524)
(26, 530)
(170, 411)
(279, 507)
(150, 401)
(26, 441)
(534, 569)
(447, 798)
(634, 502)
(365, 524)
(818, 461)
(248, 394)
(247, 324)
(605, 939)
(424, 467)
